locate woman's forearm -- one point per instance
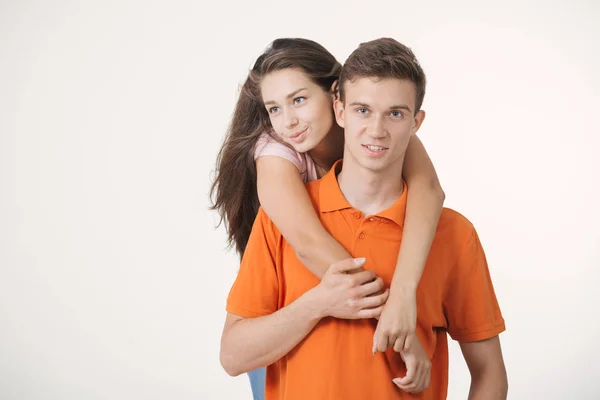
(425, 201)
(423, 211)
(284, 198)
(318, 252)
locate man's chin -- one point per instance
(374, 165)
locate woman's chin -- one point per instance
(301, 147)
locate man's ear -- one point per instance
(418, 121)
(338, 110)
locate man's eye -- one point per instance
(397, 114)
(362, 111)
(299, 100)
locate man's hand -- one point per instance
(397, 323)
(348, 292)
(418, 369)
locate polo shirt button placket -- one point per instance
(361, 235)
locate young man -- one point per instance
(316, 337)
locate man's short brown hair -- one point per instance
(384, 58)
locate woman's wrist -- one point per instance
(403, 288)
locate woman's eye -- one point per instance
(299, 100)
(273, 110)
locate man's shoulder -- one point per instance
(454, 227)
(452, 217)
(265, 225)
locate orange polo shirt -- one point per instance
(455, 296)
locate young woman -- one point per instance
(283, 134)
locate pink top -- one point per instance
(267, 146)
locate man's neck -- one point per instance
(370, 191)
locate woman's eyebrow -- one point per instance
(289, 96)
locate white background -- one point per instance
(113, 278)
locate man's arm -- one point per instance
(346, 291)
(488, 373)
(249, 343)
(474, 318)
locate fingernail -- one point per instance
(359, 261)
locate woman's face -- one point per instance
(301, 112)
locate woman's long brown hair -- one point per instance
(233, 192)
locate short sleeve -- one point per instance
(470, 302)
(267, 146)
(255, 291)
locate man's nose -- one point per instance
(377, 129)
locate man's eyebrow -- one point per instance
(395, 107)
(401, 107)
(289, 96)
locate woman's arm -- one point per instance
(425, 200)
(423, 209)
(284, 198)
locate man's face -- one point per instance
(378, 119)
